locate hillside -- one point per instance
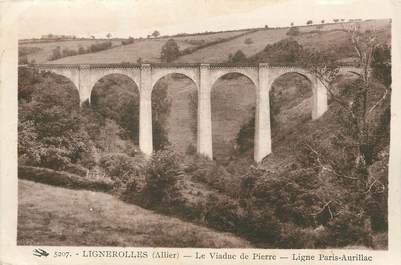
(219, 53)
(84, 218)
(147, 49)
(324, 37)
(327, 37)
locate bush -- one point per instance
(261, 225)
(100, 46)
(56, 54)
(128, 41)
(23, 59)
(161, 174)
(63, 179)
(190, 150)
(248, 41)
(170, 51)
(76, 169)
(223, 213)
(188, 50)
(293, 196)
(81, 50)
(69, 52)
(286, 51)
(50, 132)
(55, 158)
(119, 166)
(348, 229)
(238, 57)
(203, 170)
(293, 31)
(127, 172)
(195, 42)
(381, 64)
(161, 106)
(245, 136)
(295, 237)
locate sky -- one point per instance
(123, 18)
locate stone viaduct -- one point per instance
(204, 76)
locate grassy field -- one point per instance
(84, 218)
(210, 37)
(323, 37)
(330, 36)
(45, 49)
(330, 39)
(147, 49)
(219, 53)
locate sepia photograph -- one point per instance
(235, 125)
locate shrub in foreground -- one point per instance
(348, 229)
(63, 179)
(161, 174)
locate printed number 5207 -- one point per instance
(62, 254)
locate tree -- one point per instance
(161, 175)
(381, 64)
(335, 20)
(238, 57)
(286, 51)
(245, 136)
(56, 53)
(364, 123)
(193, 107)
(309, 22)
(23, 60)
(322, 21)
(161, 106)
(292, 24)
(156, 34)
(108, 35)
(50, 131)
(81, 50)
(170, 51)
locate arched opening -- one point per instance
(174, 113)
(233, 101)
(291, 103)
(113, 114)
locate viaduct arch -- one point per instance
(85, 76)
